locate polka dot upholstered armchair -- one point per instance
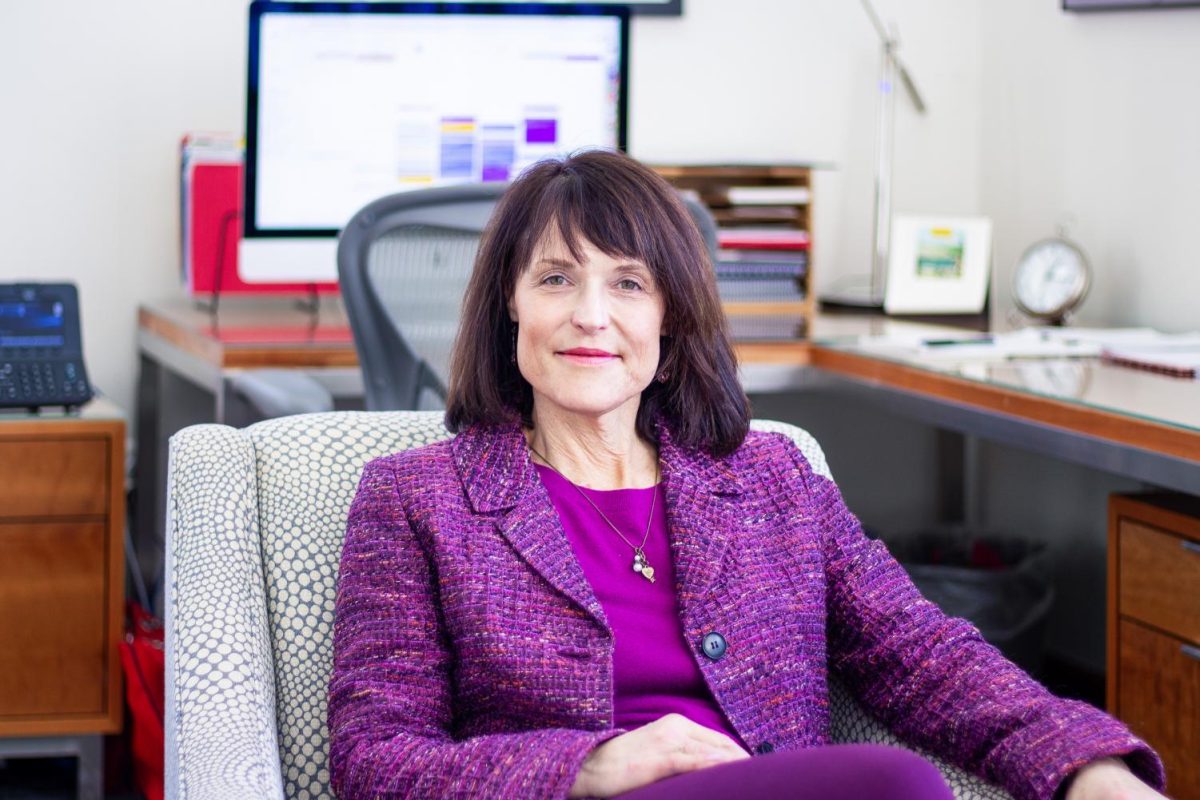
(254, 537)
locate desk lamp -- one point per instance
(890, 68)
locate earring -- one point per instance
(513, 354)
(663, 376)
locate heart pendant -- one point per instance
(648, 573)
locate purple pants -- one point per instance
(836, 772)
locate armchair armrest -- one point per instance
(220, 722)
(848, 722)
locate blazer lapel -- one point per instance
(701, 499)
(499, 479)
(701, 503)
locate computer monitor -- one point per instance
(348, 102)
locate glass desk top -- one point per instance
(1087, 382)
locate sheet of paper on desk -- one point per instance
(1105, 337)
(1141, 348)
(1025, 343)
(1177, 355)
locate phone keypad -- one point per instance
(36, 383)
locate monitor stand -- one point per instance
(278, 260)
(855, 293)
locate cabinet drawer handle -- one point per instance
(1190, 651)
(1192, 547)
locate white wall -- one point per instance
(94, 97)
(778, 80)
(1095, 118)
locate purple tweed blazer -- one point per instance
(473, 660)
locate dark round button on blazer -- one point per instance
(714, 646)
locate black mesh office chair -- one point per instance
(403, 264)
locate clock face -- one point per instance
(1057, 378)
(1051, 278)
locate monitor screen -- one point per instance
(348, 102)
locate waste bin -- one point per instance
(1000, 584)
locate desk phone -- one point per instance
(41, 354)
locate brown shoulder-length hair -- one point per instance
(625, 210)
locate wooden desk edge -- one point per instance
(67, 427)
(316, 355)
(116, 576)
(188, 340)
(1103, 425)
(797, 353)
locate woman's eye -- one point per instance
(554, 280)
(630, 285)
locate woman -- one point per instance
(604, 585)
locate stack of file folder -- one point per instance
(210, 204)
(763, 266)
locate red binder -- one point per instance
(212, 227)
(756, 239)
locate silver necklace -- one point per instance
(640, 564)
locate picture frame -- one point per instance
(938, 265)
(1125, 5)
(654, 8)
(664, 8)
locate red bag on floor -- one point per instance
(142, 659)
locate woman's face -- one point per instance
(588, 335)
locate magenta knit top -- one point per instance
(654, 672)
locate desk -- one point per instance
(1128, 422)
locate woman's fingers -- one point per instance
(695, 755)
(716, 740)
(679, 763)
(675, 727)
(691, 746)
(670, 745)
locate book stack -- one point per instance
(763, 265)
(762, 275)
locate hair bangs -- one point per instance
(580, 212)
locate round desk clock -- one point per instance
(1065, 378)
(1051, 280)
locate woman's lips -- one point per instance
(586, 355)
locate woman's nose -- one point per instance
(591, 309)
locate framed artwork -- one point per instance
(1119, 5)
(938, 265)
(660, 8)
(664, 8)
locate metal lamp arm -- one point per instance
(891, 68)
(890, 43)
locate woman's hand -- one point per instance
(668, 746)
(1109, 779)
